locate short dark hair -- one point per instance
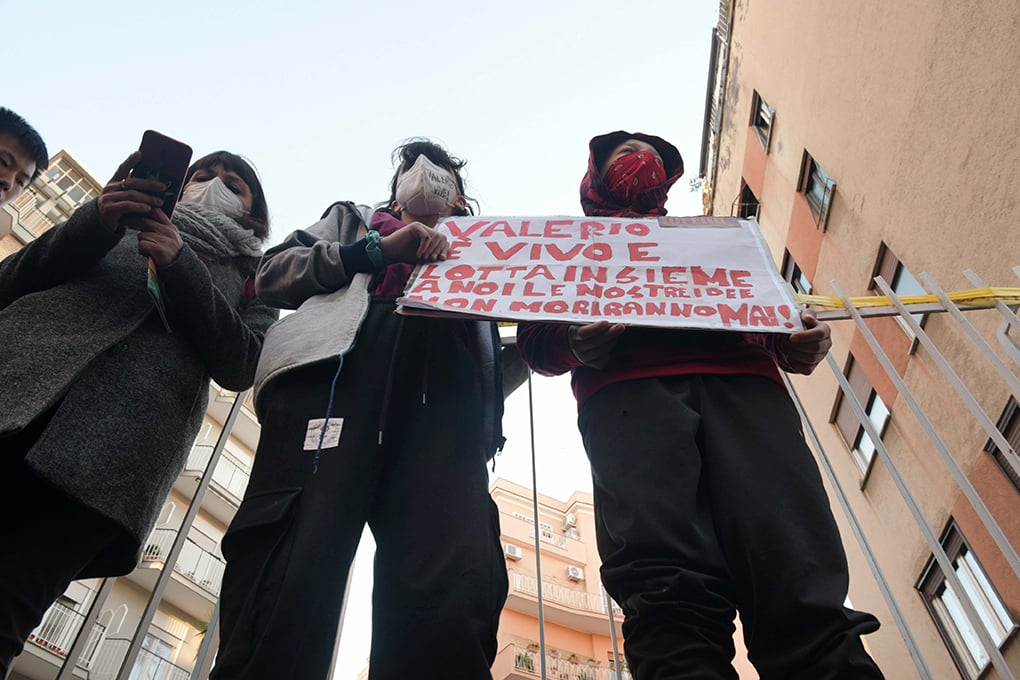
(258, 218)
(407, 153)
(27, 136)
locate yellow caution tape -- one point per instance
(974, 297)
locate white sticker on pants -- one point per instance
(332, 438)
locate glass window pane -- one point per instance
(803, 285)
(865, 449)
(958, 621)
(904, 283)
(877, 412)
(981, 593)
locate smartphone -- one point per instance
(166, 160)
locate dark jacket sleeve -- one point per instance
(60, 254)
(228, 339)
(544, 347)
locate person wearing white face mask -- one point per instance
(101, 402)
(213, 194)
(369, 417)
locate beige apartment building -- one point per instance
(580, 619)
(876, 140)
(181, 561)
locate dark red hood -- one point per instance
(594, 196)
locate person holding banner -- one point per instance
(369, 417)
(707, 500)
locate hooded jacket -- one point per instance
(306, 273)
(644, 352)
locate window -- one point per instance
(793, 274)
(62, 189)
(944, 605)
(861, 446)
(817, 188)
(900, 280)
(761, 119)
(748, 206)
(1009, 426)
(864, 447)
(154, 661)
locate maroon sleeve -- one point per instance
(773, 344)
(545, 348)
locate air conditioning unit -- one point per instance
(512, 552)
(575, 573)
(569, 521)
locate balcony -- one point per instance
(229, 480)
(572, 608)
(148, 665)
(196, 564)
(520, 662)
(197, 575)
(57, 630)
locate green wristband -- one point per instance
(374, 250)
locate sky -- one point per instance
(318, 94)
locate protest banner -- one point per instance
(671, 272)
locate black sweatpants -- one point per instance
(440, 580)
(707, 501)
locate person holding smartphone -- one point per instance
(369, 417)
(100, 403)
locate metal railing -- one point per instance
(559, 594)
(198, 565)
(229, 477)
(909, 405)
(564, 665)
(58, 629)
(147, 664)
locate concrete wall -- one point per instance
(912, 109)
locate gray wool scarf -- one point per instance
(213, 234)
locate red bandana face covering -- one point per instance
(634, 175)
(635, 184)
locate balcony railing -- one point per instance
(58, 629)
(199, 566)
(147, 666)
(229, 476)
(528, 660)
(553, 592)
(153, 667)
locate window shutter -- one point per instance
(846, 421)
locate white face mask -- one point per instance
(426, 189)
(215, 195)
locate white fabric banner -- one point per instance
(675, 272)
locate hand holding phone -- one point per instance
(164, 160)
(160, 168)
(124, 196)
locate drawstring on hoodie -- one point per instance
(425, 374)
(389, 379)
(329, 412)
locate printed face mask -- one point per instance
(426, 189)
(215, 195)
(634, 175)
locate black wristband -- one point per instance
(355, 259)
